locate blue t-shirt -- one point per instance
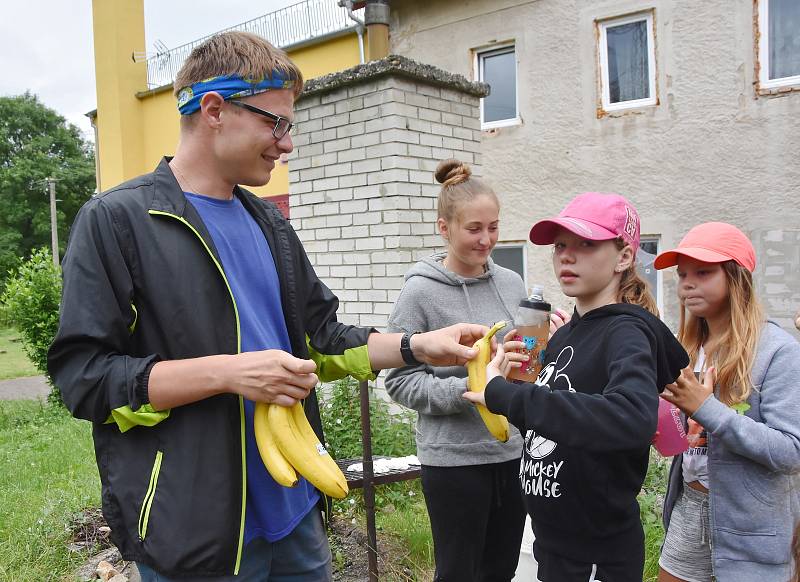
(272, 510)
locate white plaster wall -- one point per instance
(710, 150)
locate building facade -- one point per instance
(137, 120)
(689, 109)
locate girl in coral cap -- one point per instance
(733, 497)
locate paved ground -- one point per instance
(29, 388)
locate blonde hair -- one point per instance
(459, 186)
(236, 53)
(633, 288)
(736, 349)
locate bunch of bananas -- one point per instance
(476, 370)
(288, 445)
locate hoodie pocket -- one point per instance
(147, 502)
(752, 520)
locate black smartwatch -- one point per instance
(405, 350)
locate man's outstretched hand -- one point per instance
(449, 346)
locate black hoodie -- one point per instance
(589, 421)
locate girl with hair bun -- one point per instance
(469, 478)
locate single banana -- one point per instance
(476, 370)
(308, 434)
(303, 456)
(273, 459)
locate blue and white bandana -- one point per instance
(230, 87)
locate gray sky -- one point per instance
(46, 45)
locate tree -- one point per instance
(30, 303)
(38, 143)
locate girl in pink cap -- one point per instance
(589, 419)
(734, 497)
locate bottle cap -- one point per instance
(536, 300)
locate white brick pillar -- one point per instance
(362, 192)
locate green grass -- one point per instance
(651, 500)
(410, 526)
(47, 476)
(14, 363)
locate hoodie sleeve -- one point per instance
(417, 387)
(622, 417)
(773, 443)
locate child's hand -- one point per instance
(474, 397)
(687, 393)
(506, 358)
(559, 318)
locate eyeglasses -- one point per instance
(282, 125)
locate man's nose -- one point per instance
(285, 143)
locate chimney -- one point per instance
(376, 18)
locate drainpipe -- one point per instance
(376, 18)
(92, 115)
(348, 4)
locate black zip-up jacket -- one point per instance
(142, 283)
(589, 422)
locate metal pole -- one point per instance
(51, 183)
(369, 488)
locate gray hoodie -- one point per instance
(450, 431)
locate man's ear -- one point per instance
(211, 109)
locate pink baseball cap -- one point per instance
(712, 242)
(593, 216)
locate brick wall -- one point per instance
(362, 191)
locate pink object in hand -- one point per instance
(670, 439)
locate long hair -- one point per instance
(796, 554)
(632, 288)
(736, 349)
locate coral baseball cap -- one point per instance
(593, 216)
(712, 242)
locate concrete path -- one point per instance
(29, 388)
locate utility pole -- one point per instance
(51, 184)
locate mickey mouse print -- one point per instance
(537, 476)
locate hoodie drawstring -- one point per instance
(469, 303)
(500, 300)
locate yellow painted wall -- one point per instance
(135, 132)
(118, 31)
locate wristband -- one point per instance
(405, 350)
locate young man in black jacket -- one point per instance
(185, 300)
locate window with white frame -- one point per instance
(511, 257)
(627, 62)
(779, 43)
(497, 68)
(648, 249)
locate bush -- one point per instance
(30, 303)
(392, 435)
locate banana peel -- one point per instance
(476, 371)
